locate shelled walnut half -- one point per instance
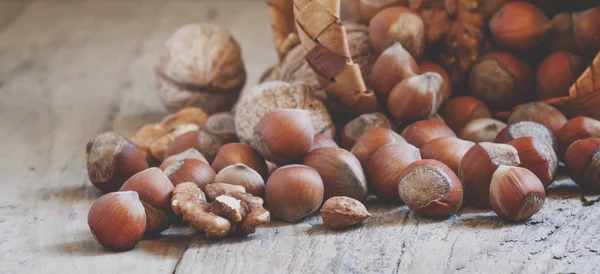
(231, 208)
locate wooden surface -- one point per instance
(71, 69)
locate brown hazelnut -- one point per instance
(519, 26)
(575, 129)
(477, 167)
(321, 141)
(273, 95)
(160, 145)
(271, 167)
(462, 110)
(118, 220)
(448, 150)
(206, 143)
(354, 129)
(446, 89)
(341, 212)
(191, 170)
(222, 125)
(294, 192)
(526, 129)
(501, 80)
(431, 188)
(417, 97)
(284, 136)
(111, 160)
(154, 190)
(481, 130)
(368, 8)
(538, 157)
(422, 132)
(556, 73)
(586, 32)
(391, 67)
(544, 114)
(190, 153)
(242, 175)
(341, 172)
(185, 116)
(583, 161)
(201, 66)
(386, 167)
(238, 153)
(371, 141)
(516, 193)
(398, 24)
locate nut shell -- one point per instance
(391, 67)
(481, 130)
(556, 73)
(576, 129)
(586, 32)
(422, 132)
(541, 113)
(371, 141)
(526, 129)
(118, 220)
(417, 97)
(191, 170)
(519, 26)
(294, 192)
(322, 141)
(537, 157)
(431, 188)
(583, 161)
(354, 129)
(189, 153)
(238, 153)
(341, 172)
(448, 150)
(516, 193)
(386, 168)
(461, 110)
(242, 175)
(206, 143)
(398, 24)
(272, 95)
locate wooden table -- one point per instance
(72, 69)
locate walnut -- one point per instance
(201, 65)
(229, 206)
(272, 95)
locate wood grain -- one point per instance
(72, 69)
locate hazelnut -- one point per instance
(284, 136)
(586, 33)
(562, 39)
(519, 26)
(321, 141)
(538, 157)
(575, 129)
(118, 220)
(479, 164)
(190, 153)
(556, 73)
(501, 80)
(159, 146)
(430, 188)
(541, 113)
(448, 150)
(223, 126)
(342, 212)
(398, 24)
(154, 190)
(185, 116)
(446, 88)
(294, 192)
(583, 161)
(417, 97)
(201, 66)
(112, 159)
(242, 175)
(481, 130)
(368, 8)
(238, 153)
(340, 171)
(371, 141)
(273, 95)
(422, 132)
(191, 170)
(391, 67)
(516, 193)
(354, 129)
(526, 129)
(206, 143)
(461, 110)
(271, 167)
(386, 167)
